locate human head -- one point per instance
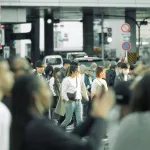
(100, 72)
(66, 63)
(19, 66)
(73, 71)
(82, 69)
(93, 70)
(39, 66)
(140, 101)
(30, 94)
(6, 77)
(48, 71)
(93, 66)
(125, 68)
(117, 59)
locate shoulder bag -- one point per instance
(72, 96)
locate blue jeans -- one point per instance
(72, 107)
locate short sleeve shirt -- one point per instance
(97, 84)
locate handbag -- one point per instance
(72, 96)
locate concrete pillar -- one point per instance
(131, 14)
(49, 36)
(35, 33)
(8, 39)
(88, 42)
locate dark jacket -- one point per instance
(110, 77)
(120, 78)
(41, 134)
(63, 74)
(87, 82)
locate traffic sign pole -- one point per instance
(125, 28)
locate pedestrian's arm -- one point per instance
(64, 89)
(51, 85)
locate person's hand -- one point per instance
(70, 101)
(101, 106)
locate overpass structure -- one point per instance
(77, 3)
(85, 11)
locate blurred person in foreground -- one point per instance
(134, 130)
(31, 131)
(29, 61)
(6, 84)
(120, 109)
(19, 67)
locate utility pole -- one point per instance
(102, 35)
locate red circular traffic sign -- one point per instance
(126, 46)
(125, 28)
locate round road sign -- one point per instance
(126, 46)
(125, 28)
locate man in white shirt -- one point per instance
(6, 83)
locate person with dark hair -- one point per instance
(54, 85)
(63, 71)
(117, 60)
(48, 72)
(6, 84)
(111, 74)
(40, 69)
(124, 73)
(134, 132)
(71, 93)
(99, 81)
(31, 131)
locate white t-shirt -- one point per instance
(96, 85)
(5, 121)
(51, 85)
(71, 85)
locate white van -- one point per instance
(54, 61)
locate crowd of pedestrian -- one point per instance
(38, 104)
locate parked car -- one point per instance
(72, 55)
(54, 60)
(87, 61)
